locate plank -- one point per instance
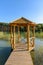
(19, 57)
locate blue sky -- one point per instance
(14, 9)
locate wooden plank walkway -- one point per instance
(19, 57)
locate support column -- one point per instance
(14, 38)
(33, 36)
(28, 36)
(11, 38)
(19, 33)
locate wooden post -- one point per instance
(19, 33)
(28, 36)
(33, 35)
(11, 38)
(14, 38)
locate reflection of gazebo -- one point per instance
(22, 22)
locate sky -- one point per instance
(13, 9)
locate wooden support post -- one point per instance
(19, 33)
(28, 36)
(33, 36)
(11, 38)
(14, 38)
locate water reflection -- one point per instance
(37, 54)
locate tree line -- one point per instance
(39, 28)
(6, 28)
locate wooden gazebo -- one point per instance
(22, 22)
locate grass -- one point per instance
(6, 36)
(39, 35)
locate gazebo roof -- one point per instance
(22, 21)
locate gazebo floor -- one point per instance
(23, 46)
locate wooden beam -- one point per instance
(28, 36)
(33, 35)
(19, 33)
(11, 38)
(14, 38)
(22, 24)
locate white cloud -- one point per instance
(39, 19)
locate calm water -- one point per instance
(37, 54)
(5, 50)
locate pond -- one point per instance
(5, 50)
(37, 54)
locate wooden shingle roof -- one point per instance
(22, 21)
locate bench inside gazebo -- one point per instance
(22, 22)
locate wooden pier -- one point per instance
(19, 57)
(21, 53)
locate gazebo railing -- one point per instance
(31, 41)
